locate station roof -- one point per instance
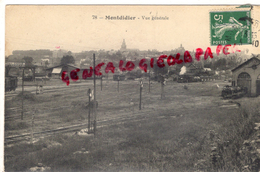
(62, 65)
(245, 63)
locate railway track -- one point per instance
(17, 109)
(26, 136)
(27, 113)
(48, 90)
(55, 89)
(77, 127)
(107, 121)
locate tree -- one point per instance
(220, 64)
(119, 55)
(67, 59)
(69, 53)
(136, 54)
(46, 63)
(28, 61)
(160, 73)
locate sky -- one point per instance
(73, 27)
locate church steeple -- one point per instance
(123, 46)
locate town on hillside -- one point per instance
(47, 63)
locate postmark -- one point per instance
(230, 27)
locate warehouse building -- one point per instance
(56, 71)
(247, 75)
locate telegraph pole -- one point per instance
(161, 90)
(149, 79)
(22, 94)
(36, 92)
(101, 82)
(94, 103)
(140, 103)
(32, 127)
(162, 87)
(33, 68)
(118, 78)
(89, 106)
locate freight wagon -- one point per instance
(11, 83)
(119, 77)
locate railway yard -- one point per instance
(168, 134)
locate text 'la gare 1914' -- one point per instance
(129, 66)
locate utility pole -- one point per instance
(118, 79)
(162, 87)
(32, 127)
(36, 86)
(33, 68)
(149, 79)
(140, 103)
(22, 94)
(89, 106)
(101, 82)
(45, 77)
(94, 103)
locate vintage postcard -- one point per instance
(132, 88)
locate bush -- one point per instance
(234, 133)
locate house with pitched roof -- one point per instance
(247, 75)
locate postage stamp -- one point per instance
(230, 27)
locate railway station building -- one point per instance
(56, 71)
(247, 75)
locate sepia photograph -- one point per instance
(125, 88)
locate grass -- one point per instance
(26, 95)
(177, 134)
(73, 114)
(13, 125)
(239, 128)
(154, 145)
